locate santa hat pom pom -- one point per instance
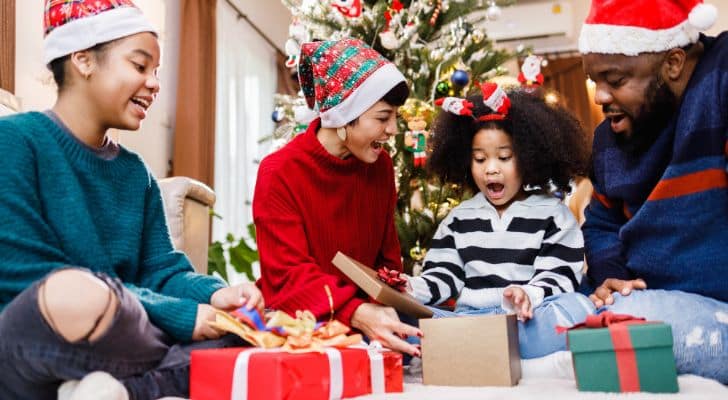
(703, 16)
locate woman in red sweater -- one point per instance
(332, 189)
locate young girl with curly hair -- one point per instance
(513, 247)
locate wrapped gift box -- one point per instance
(252, 373)
(628, 356)
(485, 352)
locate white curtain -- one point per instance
(246, 82)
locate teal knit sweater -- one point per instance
(62, 205)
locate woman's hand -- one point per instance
(203, 330)
(381, 323)
(234, 297)
(520, 301)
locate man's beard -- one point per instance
(654, 115)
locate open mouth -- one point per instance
(495, 190)
(141, 104)
(618, 122)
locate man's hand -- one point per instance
(382, 324)
(203, 331)
(603, 294)
(234, 297)
(521, 302)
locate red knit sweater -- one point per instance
(308, 205)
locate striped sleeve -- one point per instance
(558, 265)
(443, 275)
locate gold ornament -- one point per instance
(417, 253)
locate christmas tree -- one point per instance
(437, 47)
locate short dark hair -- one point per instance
(58, 66)
(395, 97)
(548, 142)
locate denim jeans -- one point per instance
(35, 360)
(537, 337)
(699, 327)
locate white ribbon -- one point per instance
(240, 372)
(336, 374)
(376, 366)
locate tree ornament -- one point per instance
(277, 115)
(493, 12)
(348, 8)
(459, 78)
(417, 253)
(436, 54)
(436, 13)
(442, 88)
(417, 114)
(477, 36)
(530, 74)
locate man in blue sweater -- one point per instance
(658, 221)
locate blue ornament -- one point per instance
(459, 78)
(277, 116)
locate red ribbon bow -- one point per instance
(393, 278)
(602, 320)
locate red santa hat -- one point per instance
(75, 25)
(632, 27)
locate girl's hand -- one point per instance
(603, 294)
(203, 331)
(382, 324)
(520, 301)
(234, 297)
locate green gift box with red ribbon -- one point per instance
(621, 353)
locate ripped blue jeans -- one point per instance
(699, 327)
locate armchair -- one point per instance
(187, 205)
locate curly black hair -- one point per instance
(548, 142)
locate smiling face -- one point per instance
(495, 169)
(124, 82)
(632, 94)
(366, 136)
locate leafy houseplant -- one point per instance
(240, 255)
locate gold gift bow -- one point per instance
(301, 335)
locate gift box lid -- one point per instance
(645, 335)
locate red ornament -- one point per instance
(350, 8)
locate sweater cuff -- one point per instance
(177, 318)
(419, 289)
(534, 293)
(347, 310)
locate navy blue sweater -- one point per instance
(663, 215)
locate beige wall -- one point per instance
(36, 90)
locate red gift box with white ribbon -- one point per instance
(271, 374)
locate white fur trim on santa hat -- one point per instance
(86, 32)
(379, 83)
(631, 41)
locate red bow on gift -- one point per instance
(393, 278)
(602, 320)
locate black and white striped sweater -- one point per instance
(476, 254)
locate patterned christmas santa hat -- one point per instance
(631, 27)
(75, 25)
(342, 79)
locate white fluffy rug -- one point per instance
(691, 387)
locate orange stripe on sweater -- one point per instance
(689, 184)
(603, 199)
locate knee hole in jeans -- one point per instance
(77, 305)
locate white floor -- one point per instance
(691, 387)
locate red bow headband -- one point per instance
(494, 97)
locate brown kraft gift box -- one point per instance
(459, 351)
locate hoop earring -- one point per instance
(341, 133)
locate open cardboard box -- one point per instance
(462, 351)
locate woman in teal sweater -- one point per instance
(88, 276)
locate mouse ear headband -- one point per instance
(494, 97)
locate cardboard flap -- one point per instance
(648, 335)
(366, 279)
